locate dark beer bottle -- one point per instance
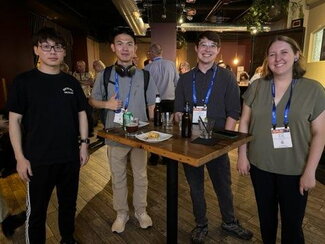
(157, 112)
(187, 122)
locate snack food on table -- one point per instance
(153, 135)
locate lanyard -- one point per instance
(157, 58)
(117, 88)
(287, 108)
(206, 100)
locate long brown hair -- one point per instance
(298, 69)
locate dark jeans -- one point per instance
(219, 171)
(65, 177)
(273, 190)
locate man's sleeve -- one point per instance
(98, 88)
(151, 92)
(179, 96)
(232, 98)
(17, 100)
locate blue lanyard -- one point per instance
(117, 88)
(206, 100)
(287, 108)
(157, 58)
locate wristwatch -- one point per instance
(87, 141)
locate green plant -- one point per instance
(263, 11)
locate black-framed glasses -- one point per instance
(47, 47)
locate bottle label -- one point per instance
(199, 111)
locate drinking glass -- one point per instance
(206, 126)
(132, 127)
(167, 120)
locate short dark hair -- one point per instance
(123, 30)
(210, 35)
(298, 69)
(48, 33)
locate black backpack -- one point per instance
(107, 75)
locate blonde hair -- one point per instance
(99, 64)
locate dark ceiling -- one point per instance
(98, 18)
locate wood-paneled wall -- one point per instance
(15, 43)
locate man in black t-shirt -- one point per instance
(47, 114)
(213, 93)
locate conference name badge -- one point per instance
(281, 137)
(199, 111)
(118, 118)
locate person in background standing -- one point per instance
(259, 72)
(184, 67)
(46, 116)
(64, 68)
(86, 81)
(212, 92)
(285, 114)
(98, 66)
(85, 78)
(165, 75)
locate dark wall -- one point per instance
(261, 41)
(15, 43)
(79, 49)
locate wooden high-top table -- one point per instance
(178, 149)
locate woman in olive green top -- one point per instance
(285, 114)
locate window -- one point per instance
(318, 47)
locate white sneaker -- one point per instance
(144, 220)
(119, 223)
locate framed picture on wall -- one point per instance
(297, 23)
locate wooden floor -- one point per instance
(95, 214)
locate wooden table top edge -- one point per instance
(151, 147)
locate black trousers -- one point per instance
(219, 172)
(65, 177)
(271, 192)
(167, 106)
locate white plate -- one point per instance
(162, 137)
(142, 124)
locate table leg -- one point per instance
(172, 201)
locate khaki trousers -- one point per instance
(3, 209)
(117, 158)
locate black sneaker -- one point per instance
(235, 229)
(198, 234)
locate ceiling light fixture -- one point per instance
(236, 60)
(210, 27)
